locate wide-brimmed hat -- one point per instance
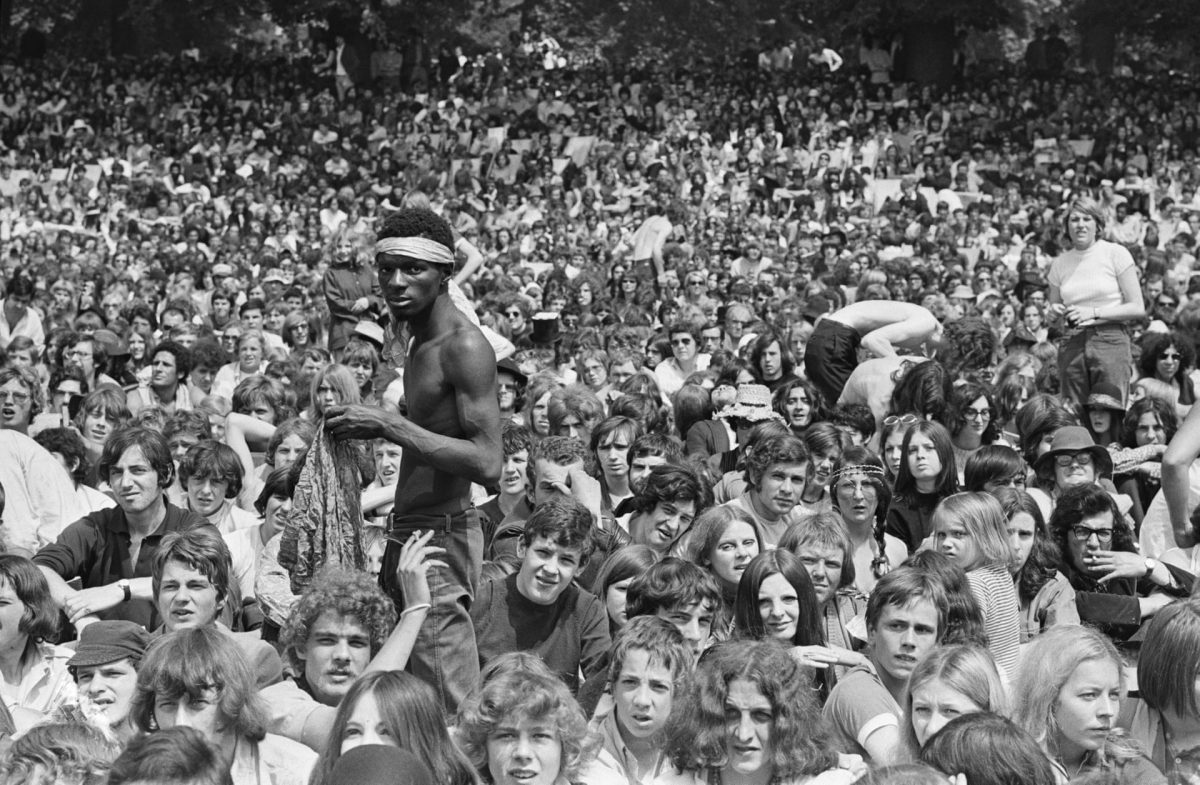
(1074, 439)
(753, 404)
(371, 332)
(962, 292)
(509, 366)
(1106, 396)
(103, 642)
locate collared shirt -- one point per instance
(614, 761)
(45, 686)
(95, 549)
(272, 761)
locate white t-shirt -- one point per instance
(1090, 279)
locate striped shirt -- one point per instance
(997, 596)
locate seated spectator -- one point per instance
(341, 627)
(394, 708)
(539, 608)
(521, 727)
(650, 663)
(904, 623)
(987, 748)
(664, 507)
(192, 588)
(776, 474)
(111, 551)
(211, 476)
(1069, 690)
(198, 677)
(66, 445)
(170, 364)
(35, 678)
(615, 575)
(1045, 595)
(22, 398)
(174, 756)
(105, 664)
(1116, 588)
(1167, 717)
(971, 530)
(62, 752)
(768, 730)
(723, 541)
(951, 681)
(39, 495)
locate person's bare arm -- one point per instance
(1176, 484)
(476, 455)
(883, 341)
(474, 260)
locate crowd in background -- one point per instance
(708, 556)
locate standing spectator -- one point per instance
(1094, 291)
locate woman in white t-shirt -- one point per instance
(1094, 291)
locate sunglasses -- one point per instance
(906, 419)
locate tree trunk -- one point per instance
(929, 52)
(1098, 43)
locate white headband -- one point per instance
(417, 247)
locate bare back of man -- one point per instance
(884, 328)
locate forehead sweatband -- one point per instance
(418, 248)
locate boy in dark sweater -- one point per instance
(539, 609)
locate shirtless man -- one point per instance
(881, 327)
(451, 438)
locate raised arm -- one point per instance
(1176, 485)
(474, 260)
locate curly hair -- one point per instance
(697, 732)
(1154, 345)
(348, 593)
(517, 695)
(182, 355)
(970, 345)
(1086, 501)
(48, 754)
(417, 222)
(773, 450)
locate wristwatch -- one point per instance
(124, 584)
(1151, 566)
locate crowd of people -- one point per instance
(532, 420)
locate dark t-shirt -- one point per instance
(95, 549)
(571, 635)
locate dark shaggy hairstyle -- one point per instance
(564, 522)
(417, 222)
(40, 618)
(672, 583)
(69, 444)
(697, 732)
(182, 355)
(175, 756)
(152, 444)
(1044, 557)
(947, 479)
(991, 463)
(925, 390)
(1075, 504)
(968, 346)
(349, 593)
